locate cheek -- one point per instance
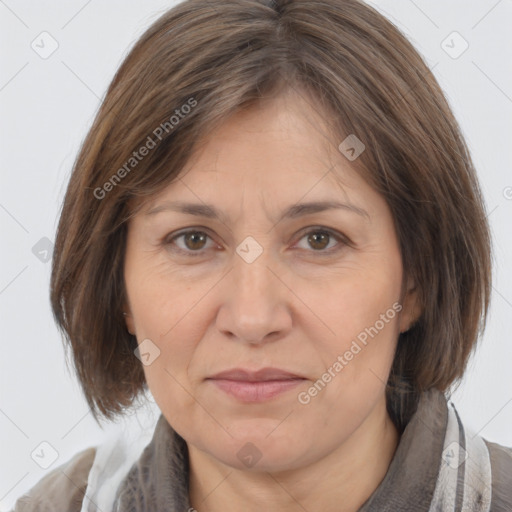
(168, 375)
(160, 296)
(364, 317)
(358, 300)
(163, 308)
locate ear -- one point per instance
(128, 319)
(411, 307)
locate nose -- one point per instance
(256, 304)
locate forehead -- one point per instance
(276, 131)
(280, 147)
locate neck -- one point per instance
(340, 482)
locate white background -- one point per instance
(46, 108)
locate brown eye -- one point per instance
(195, 240)
(192, 242)
(322, 241)
(319, 240)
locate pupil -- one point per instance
(315, 238)
(194, 238)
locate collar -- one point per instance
(414, 469)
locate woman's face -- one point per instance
(312, 292)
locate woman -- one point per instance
(275, 226)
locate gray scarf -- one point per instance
(437, 467)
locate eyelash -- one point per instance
(341, 239)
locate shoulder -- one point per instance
(501, 471)
(61, 489)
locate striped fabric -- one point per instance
(464, 482)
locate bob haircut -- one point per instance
(203, 61)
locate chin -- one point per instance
(256, 447)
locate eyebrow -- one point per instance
(292, 212)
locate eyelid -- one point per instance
(168, 239)
(341, 238)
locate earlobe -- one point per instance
(412, 309)
(128, 320)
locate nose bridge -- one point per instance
(252, 278)
(254, 303)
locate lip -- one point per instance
(265, 374)
(255, 386)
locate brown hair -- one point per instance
(219, 57)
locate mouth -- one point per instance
(258, 386)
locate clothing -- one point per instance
(429, 471)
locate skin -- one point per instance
(298, 306)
